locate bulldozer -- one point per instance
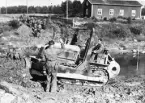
(77, 66)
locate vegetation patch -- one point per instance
(114, 30)
(113, 19)
(14, 24)
(136, 29)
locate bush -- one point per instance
(94, 19)
(112, 30)
(105, 18)
(133, 19)
(113, 19)
(136, 29)
(120, 31)
(14, 24)
(1, 30)
(138, 22)
(129, 20)
(121, 17)
(123, 21)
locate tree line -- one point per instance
(74, 9)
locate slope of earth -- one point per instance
(120, 90)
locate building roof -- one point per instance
(116, 2)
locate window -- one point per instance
(99, 12)
(87, 12)
(111, 12)
(133, 12)
(121, 13)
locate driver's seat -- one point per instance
(101, 58)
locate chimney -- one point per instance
(105, 1)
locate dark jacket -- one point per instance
(99, 47)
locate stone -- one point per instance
(30, 101)
(2, 92)
(129, 101)
(110, 95)
(7, 98)
(117, 97)
(19, 100)
(8, 87)
(26, 96)
(90, 100)
(51, 100)
(24, 75)
(111, 101)
(78, 99)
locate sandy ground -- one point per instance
(129, 89)
(4, 19)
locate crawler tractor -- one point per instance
(77, 66)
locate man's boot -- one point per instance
(53, 85)
(48, 83)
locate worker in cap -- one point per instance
(49, 55)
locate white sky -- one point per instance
(37, 2)
(31, 2)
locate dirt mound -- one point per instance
(24, 31)
(7, 38)
(4, 19)
(10, 93)
(21, 32)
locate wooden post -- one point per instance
(73, 23)
(66, 9)
(6, 6)
(137, 59)
(27, 6)
(0, 11)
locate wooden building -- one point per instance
(112, 8)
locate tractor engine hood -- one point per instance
(67, 47)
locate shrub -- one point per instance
(112, 30)
(120, 31)
(143, 28)
(129, 20)
(136, 29)
(14, 24)
(121, 17)
(1, 30)
(105, 18)
(123, 21)
(138, 22)
(113, 19)
(134, 18)
(94, 19)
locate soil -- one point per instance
(18, 81)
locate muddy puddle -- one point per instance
(131, 64)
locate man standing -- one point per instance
(98, 48)
(74, 39)
(49, 56)
(108, 57)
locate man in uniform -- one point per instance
(34, 29)
(98, 48)
(75, 38)
(48, 56)
(108, 56)
(44, 24)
